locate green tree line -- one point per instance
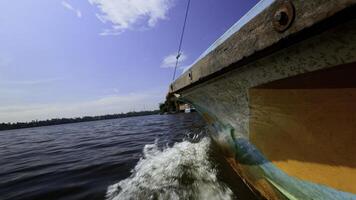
(56, 121)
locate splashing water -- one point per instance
(182, 171)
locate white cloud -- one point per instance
(79, 14)
(170, 60)
(71, 8)
(124, 14)
(101, 106)
(67, 5)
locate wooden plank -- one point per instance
(257, 35)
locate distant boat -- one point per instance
(187, 110)
(278, 89)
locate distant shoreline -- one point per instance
(58, 121)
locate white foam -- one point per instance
(179, 172)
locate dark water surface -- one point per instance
(149, 157)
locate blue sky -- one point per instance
(92, 57)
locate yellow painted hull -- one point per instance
(306, 126)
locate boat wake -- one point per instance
(182, 171)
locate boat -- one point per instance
(278, 91)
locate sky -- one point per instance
(73, 58)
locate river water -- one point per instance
(148, 157)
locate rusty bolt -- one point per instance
(283, 16)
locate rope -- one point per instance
(181, 40)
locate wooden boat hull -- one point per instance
(287, 120)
